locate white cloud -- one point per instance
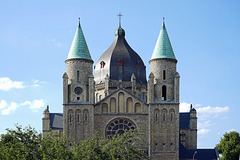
(34, 105)
(203, 131)
(7, 84)
(10, 109)
(184, 107)
(37, 83)
(205, 112)
(3, 104)
(205, 124)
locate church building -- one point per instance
(118, 97)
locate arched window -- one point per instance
(156, 115)
(102, 64)
(120, 63)
(78, 76)
(164, 74)
(164, 93)
(129, 105)
(78, 118)
(138, 108)
(97, 97)
(121, 102)
(104, 108)
(70, 118)
(113, 105)
(100, 97)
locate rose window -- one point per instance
(119, 126)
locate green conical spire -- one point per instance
(163, 47)
(79, 48)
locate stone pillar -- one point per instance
(150, 92)
(107, 85)
(65, 88)
(176, 87)
(133, 80)
(91, 89)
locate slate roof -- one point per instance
(79, 48)
(184, 118)
(163, 47)
(202, 154)
(56, 120)
(120, 50)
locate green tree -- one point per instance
(27, 143)
(229, 146)
(20, 144)
(118, 147)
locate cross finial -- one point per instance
(119, 15)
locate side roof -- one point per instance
(202, 154)
(184, 119)
(56, 120)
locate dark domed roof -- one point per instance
(120, 61)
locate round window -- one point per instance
(78, 90)
(119, 126)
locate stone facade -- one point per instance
(111, 105)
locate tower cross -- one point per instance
(119, 15)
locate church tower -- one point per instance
(163, 99)
(78, 90)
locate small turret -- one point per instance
(193, 128)
(46, 112)
(46, 121)
(79, 66)
(163, 66)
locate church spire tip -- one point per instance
(79, 21)
(163, 21)
(119, 15)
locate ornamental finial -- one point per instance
(79, 21)
(119, 15)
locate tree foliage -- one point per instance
(229, 146)
(27, 143)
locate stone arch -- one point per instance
(138, 108)
(129, 105)
(172, 115)
(104, 108)
(113, 105)
(121, 108)
(78, 126)
(78, 116)
(156, 115)
(164, 115)
(70, 116)
(70, 126)
(86, 126)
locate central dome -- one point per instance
(120, 61)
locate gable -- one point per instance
(121, 101)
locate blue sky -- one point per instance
(35, 38)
